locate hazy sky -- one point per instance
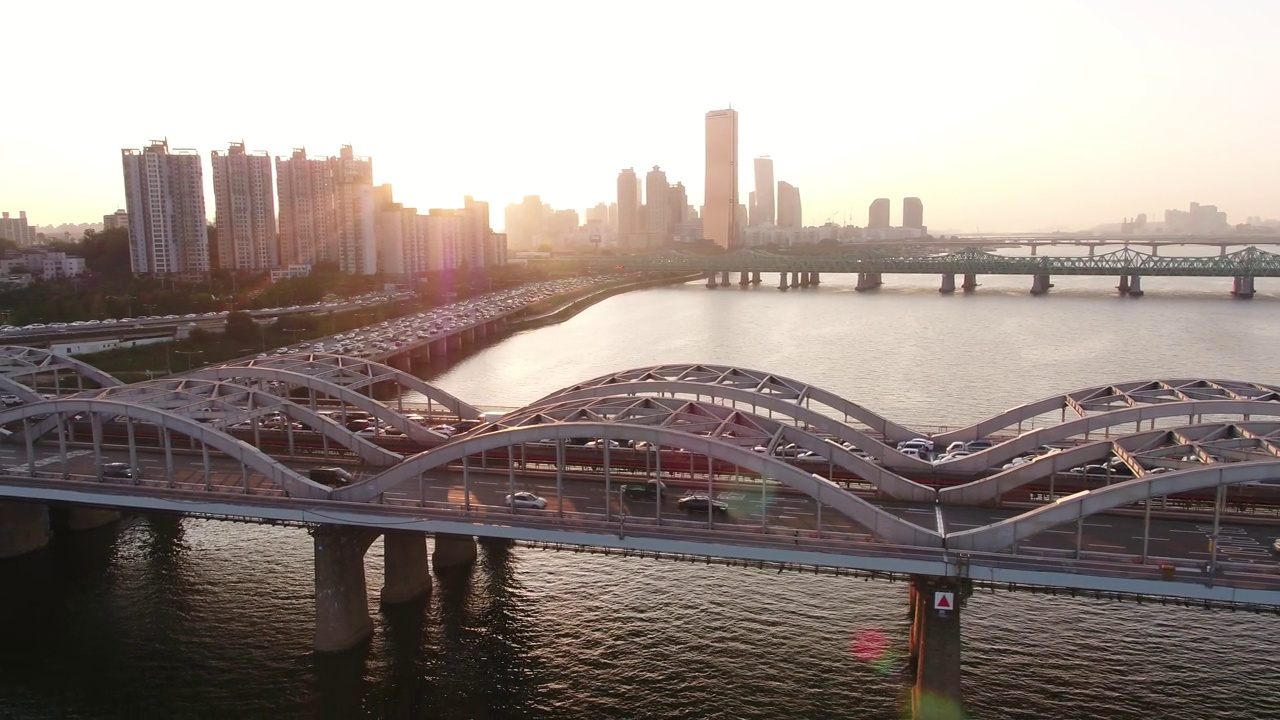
(999, 115)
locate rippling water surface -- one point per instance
(187, 618)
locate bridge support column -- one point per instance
(1123, 285)
(1040, 285)
(970, 282)
(782, 280)
(814, 278)
(453, 551)
(401, 362)
(935, 649)
(24, 528)
(755, 277)
(342, 599)
(90, 518)
(804, 279)
(711, 281)
(1034, 248)
(724, 278)
(1135, 286)
(868, 281)
(1243, 286)
(795, 278)
(744, 278)
(406, 575)
(948, 283)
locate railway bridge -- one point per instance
(786, 476)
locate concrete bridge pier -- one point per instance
(1135, 286)
(804, 279)
(795, 278)
(401, 362)
(342, 599)
(868, 281)
(711, 281)
(948, 283)
(724, 278)
(1040, 285)
(935, 647)
(453, 551)
(782, 280)
(1123, 285)
(407, 577)
(814, 279)
(90, 518)
(1243, 286)
(970, 282)
(744, 278)
(755, 277)
(439, 347)
(24, 528)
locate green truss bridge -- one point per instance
(1129, 265)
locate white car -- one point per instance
(526, 500)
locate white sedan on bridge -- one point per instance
(527, 500)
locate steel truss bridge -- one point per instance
(886, 512)
(1248, 262)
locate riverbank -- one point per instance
(569, 307)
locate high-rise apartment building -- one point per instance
(657, 207)
(764, 207)
(354, 221)
(912, 213)
(628, 207)
(677, 206)
(117, 219)
(878, 213)
(789, 215)
(720, 205)
(17, 230)
(475, 248)
(165, 201)
(306, 209)
(245, 210)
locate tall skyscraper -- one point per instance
(475, 233)
(720, 206)
(306, 209)
(789, 215)
(878, 213)
(354, 220)
(764, 214)
(657, 207)
(912, 213)
(165, 200)
(628, 206)
(245, 210)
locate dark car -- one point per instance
(332, 476)
(702, 504)
(121, 471)
(647, 491)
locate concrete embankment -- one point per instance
(572, 306)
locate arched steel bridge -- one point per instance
(653, 405)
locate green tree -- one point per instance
(241, 327)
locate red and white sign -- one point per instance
(944, 601)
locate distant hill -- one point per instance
(75, 230)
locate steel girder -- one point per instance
(881, 524)
(17, 361)
(64, 409)
(356, 373)
(1249, 261)
(219, 405)
(251, 376)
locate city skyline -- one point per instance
(998, 128)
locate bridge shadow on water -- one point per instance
(461, 652)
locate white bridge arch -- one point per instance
(18, 362)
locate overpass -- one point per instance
(867, 511)
(870, 264)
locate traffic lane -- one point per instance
(588, 496)
(1122, 534)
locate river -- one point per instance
(171, 618)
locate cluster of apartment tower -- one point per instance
(329, 211)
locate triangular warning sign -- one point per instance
(943, 601)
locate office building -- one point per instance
(789, 215)
(244, 210)
(164, 194)
(17, 230)
(657, 207)
(763, 214)
(628, 207)
(306, 209)
(116, 220)
(878, 214)
(720, 205)
(912, 213)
